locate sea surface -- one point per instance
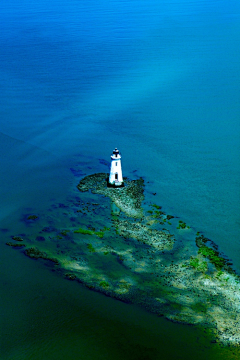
(160, 81)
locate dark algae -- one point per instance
(208, 249)
(37, 254)
(16, 245)
(70, 276)
(182, 225)
(90, 248)
(32, 217)
(17, 238)
(111, 242)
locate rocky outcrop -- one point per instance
(136, 256)
(127, 198)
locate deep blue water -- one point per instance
(159, 80)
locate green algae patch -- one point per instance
(158, 214)
(208, 249)
(158, 207)
(91, 232)
(104, 284)
(213, 256)
(198, 264)
(84, 231)
(219, 274)
(90, 248)
(182, 225)
(156, 211)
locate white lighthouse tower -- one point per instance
(115, 177)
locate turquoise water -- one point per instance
(160, 81)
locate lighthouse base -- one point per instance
(115, 184)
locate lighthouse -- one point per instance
(115, 176)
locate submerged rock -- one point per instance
(16, 245)
(32, 217)
(70, 276)
(37, 254)
(40, 238)
(17, 238)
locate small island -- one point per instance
(119, 244)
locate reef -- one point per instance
(110, 241)
(128, 198)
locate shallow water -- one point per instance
(160, 81)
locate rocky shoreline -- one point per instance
(132, 255)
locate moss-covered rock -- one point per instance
(16, 245)
(182, 225)
(35, 253)
(17, 238)
(104, 284)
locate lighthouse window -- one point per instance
(116, 163)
